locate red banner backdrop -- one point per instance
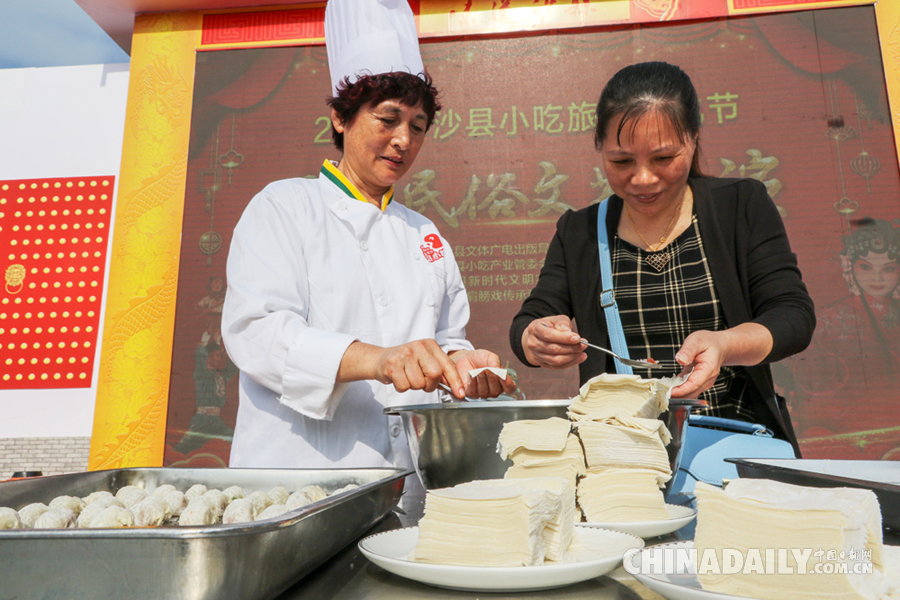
(53, 240)
(796, 100)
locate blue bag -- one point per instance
(708, 441)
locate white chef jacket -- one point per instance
(312, 268)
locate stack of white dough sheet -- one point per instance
(609, 395)
(542, 448)
(497, 523)
(622, 496)
(756, 516)
(624, 442)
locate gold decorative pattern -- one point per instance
(887, 16)
(15, 278)
(132, 392)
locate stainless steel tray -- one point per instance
(880, 476)
(248, 561)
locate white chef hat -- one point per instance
(370, 37)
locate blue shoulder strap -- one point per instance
(608, 295)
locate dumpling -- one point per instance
(9, 518)
(314, 492)
(346, 488)
(298, 499)
(150, 512)
(113, 516)
(218, 500)
(95, 508)
(198, 512)
(29, 514)
(260, 500)
(90, 498)
(234, 492)
(272, 511)
(76, 505)
(131, 495)
(163, 490)
(56, 518)
(239, 511)
(195, 491)
(177, 501)
(278, 494)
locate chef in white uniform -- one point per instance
(340, 301)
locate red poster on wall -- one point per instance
(53, 240)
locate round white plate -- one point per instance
(682, 584)
(680, 516)
(601, 552)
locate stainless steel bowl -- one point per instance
(456, 442)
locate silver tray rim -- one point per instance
(396, 410)
(757, 463)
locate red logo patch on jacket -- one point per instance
(433, 249)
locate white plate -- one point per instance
(601, 552)
(679, 585)
(680, 516)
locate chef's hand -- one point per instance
(550, 343)
(485, 384)
(706, 351)
(418, 365)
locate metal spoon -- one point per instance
(643, 364)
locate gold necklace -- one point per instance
(657, 260)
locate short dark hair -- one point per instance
(408, 89)
(639, 89)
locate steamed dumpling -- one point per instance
(73, 503)
(314, 492)
(273, 511)
(346, 488)
(90, 498)
(198, 512)
(260, 500)
(278, 494)
(131, 495)
(195, 491)
(150, 512)
(239, 511)
(163, 490)
(9, 518)
(56, 518)
(29, 514)
(113, 516)
(297, 499)
(218, 500)
(177, 501)
(95, 508)
(234, 492)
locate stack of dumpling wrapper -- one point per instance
(497, 523)
(542, 448)
(762, 514)
(616, 417)
(618, 457)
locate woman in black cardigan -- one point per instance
(704, 277)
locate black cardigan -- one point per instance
(754, 271)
